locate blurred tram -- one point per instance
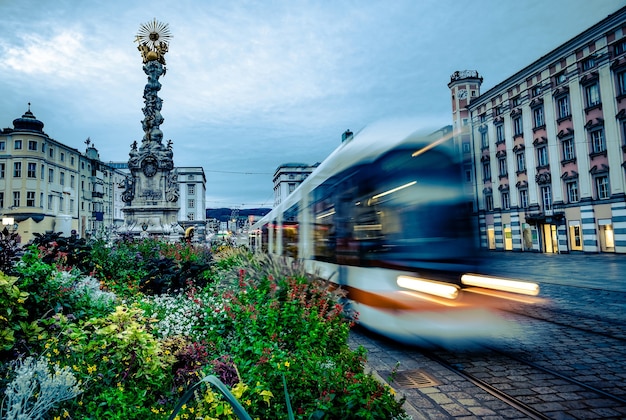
(385, 217)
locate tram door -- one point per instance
(550, 239)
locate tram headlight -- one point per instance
(506, 285)
(445, 290)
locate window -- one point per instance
(619, 47)
(499, 110)
(592, 95)
(50, 175)
(523, 198)
(2, 170)
(17, 144)
(589, 63)
(538, 117)
(43, 172)
(17, 169)
(563, 106)
(191, 189)
(466, 148)
(542, 156)
(72, 160)
(521, 161)
(3, 145)
(50, 202)
(62, 157)
(484, 139)
(602, 187)
(502, 167)
(518, 129)
(546, 197)
(43, 147)
(190, 177)
(191, 203)
(32, 145)
(483, 117)
(62, 178)
(72, 180)
(486, 171)
(537, 90)
(596, 138)
(16, 198)
(569, 152)
(51, 152)
(499, 133)
(30, 198)
(1, 199)
(572, 191)
(489, 202)
(561, 78)
(621, 83)
(516, 101)
(190, 216)
(506, 201)
(32, 170)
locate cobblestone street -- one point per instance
(568, 363)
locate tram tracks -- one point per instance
(534, 390)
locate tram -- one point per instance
(386, 218)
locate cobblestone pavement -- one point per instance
(580, 334)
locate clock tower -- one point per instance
(464, 86)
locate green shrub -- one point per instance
(12, 310)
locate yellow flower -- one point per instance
(287, 363)
(66, 414)
(91, 369)
(57, 418)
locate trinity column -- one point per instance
(151, 189)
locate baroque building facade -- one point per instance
(548, 147)
(47, 186)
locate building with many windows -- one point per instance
(46, 186)
(192, 199)
(288, 176)
(548, 147)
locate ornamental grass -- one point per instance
(130, 340)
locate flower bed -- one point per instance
(129, 338)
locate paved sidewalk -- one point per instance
(604, 271)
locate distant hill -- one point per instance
(223, 214)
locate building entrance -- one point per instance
(550, 239)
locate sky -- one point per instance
(251, 85)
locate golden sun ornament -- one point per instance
(154, 35)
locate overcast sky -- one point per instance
(254, 84)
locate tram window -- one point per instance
(290, 232)
(264, 237)
(324, 234)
